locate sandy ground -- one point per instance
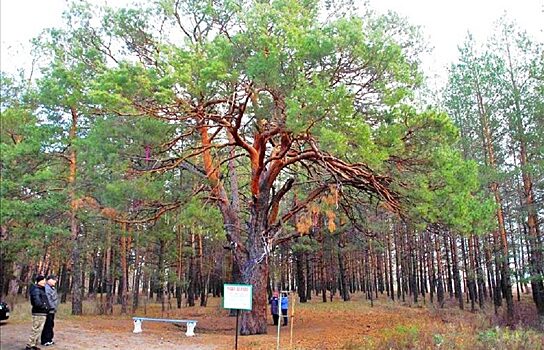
(86, 334)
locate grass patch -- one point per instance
(506, 339)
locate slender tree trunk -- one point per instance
(489, 267)
(108, 309)
(398, 252)
(412, 264)
(203, 284)
(390, 253)
(179, 264)
(536, 262)
(449, 275)
(123, 288)
(137, 273)
(322, 268)
(300, 258)
(93, 275)
(4, 282)
(479, 272)
(456, 275)
(440, 276)
(77, 303)
(309, 274)
(471, 276)
(343, 279)
(494, 187)
(429, 256)
(192, 274)
(63, 283)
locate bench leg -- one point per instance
(190, 329)
(137, 326)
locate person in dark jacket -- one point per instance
(53, 299)
(40, 309)
(274, 308)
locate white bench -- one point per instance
(191, 324)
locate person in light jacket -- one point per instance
(40, 309)
(284, 307)
(53, 299)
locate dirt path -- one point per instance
(82, 334)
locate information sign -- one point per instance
(238, 296)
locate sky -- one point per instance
(444, 23)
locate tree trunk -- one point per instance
(456, 275)
(343, 279)
(203, 285)
(429, 256)
(4, 282)
(161, 274)
(123, 288)
(480, 273)
(14, 283)
(255, 272)
(471, 275)
(440, 275)
(179, 264)
(110, 265)
(137, 273)
(310, 275)
(77, 302)
(390, 256)
(77, 287)
(93, 275)
(63, 283)
(192, 274)
(300, 258)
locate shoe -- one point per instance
(49, 343)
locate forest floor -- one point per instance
(333, 325)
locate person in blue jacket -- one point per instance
(274, 307)
(284, 307)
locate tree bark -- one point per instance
(255, 270)
(343, 279)
(77, 303)
(123, 288)
(456, 274)
(440, 275)
(300, 259)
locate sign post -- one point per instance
(239, 297)
(237, 330)
(292, 322)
